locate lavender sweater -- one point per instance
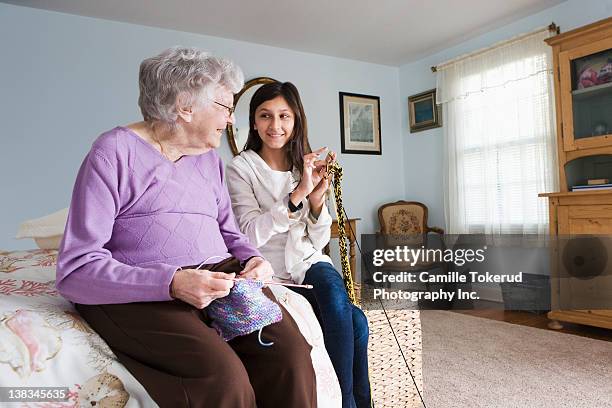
(135, 217)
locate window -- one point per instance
(500, 138)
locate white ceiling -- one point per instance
(390, 32)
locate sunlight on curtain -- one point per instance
(499, 132)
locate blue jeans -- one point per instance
(345, 331)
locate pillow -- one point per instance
(46, 231)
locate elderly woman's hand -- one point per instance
(200, 287)
(257, 268)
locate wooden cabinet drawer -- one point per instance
(585, 219)
(590, 211)
(590, 226)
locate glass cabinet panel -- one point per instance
(592, 94)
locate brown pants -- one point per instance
(182, 362)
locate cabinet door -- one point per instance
(586, 95)
(576, 293)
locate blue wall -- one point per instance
(65, 79)
(423, 151)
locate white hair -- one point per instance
(186, 73)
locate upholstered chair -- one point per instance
(404, 223)
(405, 218)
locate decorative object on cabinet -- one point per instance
(360, 124)
(583, 97)
(423, 111)
(592, 182)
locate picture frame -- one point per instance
(423, 112)
(360, 124)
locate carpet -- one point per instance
(475, 362)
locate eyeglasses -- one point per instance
(230, 109)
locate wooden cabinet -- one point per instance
(583, 99)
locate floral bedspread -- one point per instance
(45, 343)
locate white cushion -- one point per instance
(47, 231)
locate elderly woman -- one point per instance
(149, 200)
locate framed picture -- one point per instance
(360, 123)
(423, 112)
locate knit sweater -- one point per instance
(136, 217)
(260, 196)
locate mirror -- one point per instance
(238, 133)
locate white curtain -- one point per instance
(499, 130)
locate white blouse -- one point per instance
(292, 243)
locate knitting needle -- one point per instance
(295, 285)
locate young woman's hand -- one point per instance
(317, 196)
(257, 268)
(311, 175)
(199, 287)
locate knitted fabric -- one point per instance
(245, 310)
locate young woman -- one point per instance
(278, 187)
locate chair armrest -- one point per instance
(437, 230)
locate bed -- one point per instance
(45, 343)
(67, 353)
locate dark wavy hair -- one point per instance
(298, 144)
